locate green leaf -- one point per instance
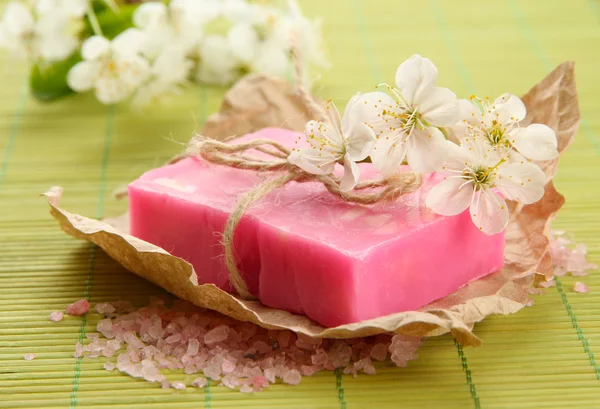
(112, 24)
(48, 81)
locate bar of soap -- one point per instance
(304, 250)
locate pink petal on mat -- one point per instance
(580, 287)
(109, 366)
(78, 308)
(29, 357)
(56, 316)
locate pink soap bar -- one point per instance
(307, 251)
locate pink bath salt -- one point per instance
(403, 348)
(304, 250)
(109, 366)
(193, 347)
(547, 284)
(78, 350)
(105, 327)
(173, 339)
(578, 264)
(199, 382)
(29, 357)
(379, 352)
(155, 330)
(270, 374)
(105, 308)
(309, 370)
(213, 372)
(227, 367)
(247, 330)
(218, 334)
(259, 382)
(340, 354)
(56, 316)
(285, 338)
(246, 389)
(78, 308)
(180, 386)
(320, 357)
(292, 377)
(580, 287)
(262, 347)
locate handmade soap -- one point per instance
(304, 250)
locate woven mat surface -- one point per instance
(542, 357)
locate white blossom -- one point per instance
(476, 177)
(497, 123)
(113, 69)
(169, 72)
(50, 32)
(335, 141)
(178, 23)
(218, 64)
(406, 123)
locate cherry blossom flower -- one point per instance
(218, 63)
(168, 75)
(497, 123)
(338, 140)
(178, 23)
(406, 122)
(50, 32)
(477, 177)
(113, 69)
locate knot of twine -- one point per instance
(236, 156)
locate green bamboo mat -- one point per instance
(542, 357)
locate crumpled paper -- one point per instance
(265, 103)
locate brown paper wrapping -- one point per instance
(258, 102)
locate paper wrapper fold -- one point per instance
(258, 102)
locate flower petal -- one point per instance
(310, 161)
(467, 110)
(360, 142)
(81, 76)
(537, 142)
(523, 182)
(17, 18)
(438, 106)
(149, 14)
(478, 152)
(351, 175)
(509, 108)
(94, 47)
(324, 137)
(243, 41)
(129, 42)
(427, 150)
(352, 113)
(489, 212)
(333, 116)
(414, 76)
(450, 197)
(456, 160)
(387, 155)
(369, 108)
